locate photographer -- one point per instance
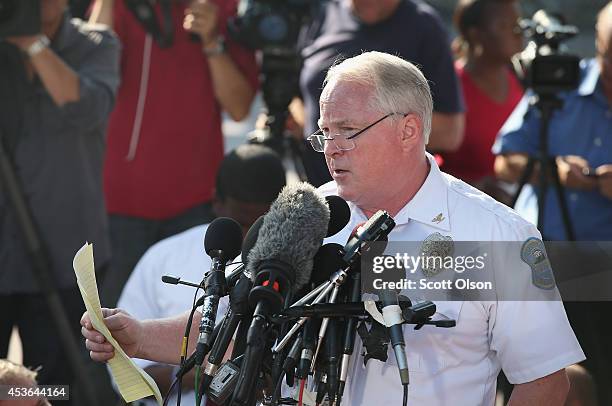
(58, 89)
(164, 136)
(579, 139)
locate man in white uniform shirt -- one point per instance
(249, 179)
(375, 121)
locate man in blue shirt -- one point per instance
(580, 137)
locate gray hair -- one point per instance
(398, 85)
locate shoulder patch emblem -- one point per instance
(533, 253)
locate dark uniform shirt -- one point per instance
(57, 155)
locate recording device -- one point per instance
(273, 26)
(549, 69)
(222, 243)
(280, 261)
(19, 17)
(270, 25)
(144, 12)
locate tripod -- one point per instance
(280, 84)
(546, 104)
(42, 269)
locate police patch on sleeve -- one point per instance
(533, 253)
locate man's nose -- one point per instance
(330, 148)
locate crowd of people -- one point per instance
(113, 130)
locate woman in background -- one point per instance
(489, 35)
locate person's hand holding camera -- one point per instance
(572, 169)
(604, 180)
(201, 18)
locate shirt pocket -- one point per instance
(432, 349)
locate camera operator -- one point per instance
(579, 138)
(164, 136)
(58, 88)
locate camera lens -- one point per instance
(7, 10)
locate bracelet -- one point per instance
(218, 49)
(38, 46)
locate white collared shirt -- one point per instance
(459, 366)
(145, 296)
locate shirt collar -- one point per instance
(430, 204)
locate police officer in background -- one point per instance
(375, 120)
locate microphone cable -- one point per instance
(185, 345)
(185, 342)
(405, 402)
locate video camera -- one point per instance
(270, 25)
(273, 26)
(19, 17)
(549, 69)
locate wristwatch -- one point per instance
(218, 49)
(37, 46)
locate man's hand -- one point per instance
(571, 173)
(604, 180)
(125, 329)
(201, 18)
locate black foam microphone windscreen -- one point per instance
(223, 235)
(339, 214)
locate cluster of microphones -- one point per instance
(294, 304)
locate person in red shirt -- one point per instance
(489, 37)
(164, 140)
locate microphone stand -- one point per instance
(349, 335)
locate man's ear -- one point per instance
(411, 129)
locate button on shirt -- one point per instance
(459, 365)
(583, 127)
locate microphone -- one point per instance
(339, 214)
(239, 306)
(222, 243)
(392, 314)
(280, 261)
(249, 241)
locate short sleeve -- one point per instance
(98, 75)
(531, 338)
(438, 67)
(138, 295)
(519, 134)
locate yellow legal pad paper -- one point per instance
(132, 381)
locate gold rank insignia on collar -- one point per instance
(438, 219)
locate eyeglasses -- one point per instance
(344, 142)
